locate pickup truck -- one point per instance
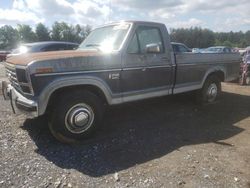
(117, 63)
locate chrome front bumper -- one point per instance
(19, 103)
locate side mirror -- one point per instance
(153, 48)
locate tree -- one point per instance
(26, 34)
(88, 29)
(62, 31)
(81, 32)
(193, 37)
(42, 32)
(8, 37)
(67, 32)
(56, 31)
(228, 43)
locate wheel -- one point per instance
(210, 91)
(247, 80)
(75, 116)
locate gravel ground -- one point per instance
(165, 142)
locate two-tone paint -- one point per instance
(122, 77)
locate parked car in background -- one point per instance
(43, 47)
(3, 55)
(198, 50)
(218, 49)
(245, 69)
(180, 47)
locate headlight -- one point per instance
(23, 81)
(21, 75)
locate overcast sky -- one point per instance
(218, 15)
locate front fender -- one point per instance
(45, 95)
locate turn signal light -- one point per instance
(44, 70)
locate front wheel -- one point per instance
(75, 116)
(210, 91)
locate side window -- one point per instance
(61, 47)
(49, 48)
(133, 46)
(227, 50)
(175, 48)
(54, 47)
(72, 47)
(149, 35)
(182, 49)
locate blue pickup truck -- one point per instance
(117, 63)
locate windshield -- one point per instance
(106, 38)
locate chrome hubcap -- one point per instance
(79, 118)
(212, 92)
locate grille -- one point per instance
(18, 79)
(11, 74)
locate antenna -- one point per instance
(109, 11)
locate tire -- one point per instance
(210, 91)
(75, 116)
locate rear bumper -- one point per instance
(19, 103)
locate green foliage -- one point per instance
(203, 38)
(26, 34)
(60, 31)
(193, 37)
(228, 43)
(42, 32)
(9, 37)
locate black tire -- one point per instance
(210, 91)
(64, 111)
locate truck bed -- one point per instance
(192, 69)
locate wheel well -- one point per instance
(95, 90)
(219, 74)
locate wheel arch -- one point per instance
(57, 87)
(218, 71)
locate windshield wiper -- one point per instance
(96, 46)
(92, 45)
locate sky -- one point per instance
(217, 15)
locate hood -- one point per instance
(25, 59)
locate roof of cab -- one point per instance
(131, 21)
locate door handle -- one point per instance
(143, 69)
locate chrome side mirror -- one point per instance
(153, 48)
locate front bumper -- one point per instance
(19, 103)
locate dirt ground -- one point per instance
(164, 142)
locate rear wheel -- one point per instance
(75, 116)
(210, 91)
